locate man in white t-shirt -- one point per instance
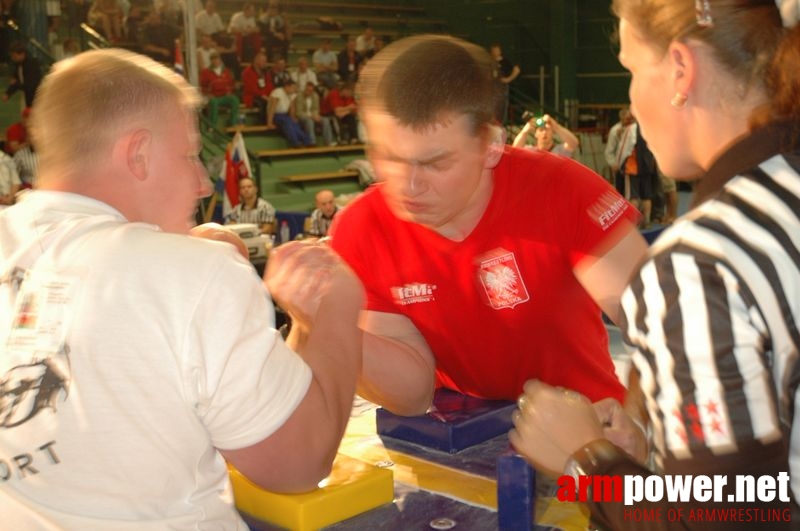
(136, 359)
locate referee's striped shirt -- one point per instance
(714, 316)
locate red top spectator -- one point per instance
(256, 80)
(17, 133)
(217, 80)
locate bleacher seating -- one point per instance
(291, 176)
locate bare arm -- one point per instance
(522, 137)
(325, 333)
(398, 366)
(569, 139)
(606, 276)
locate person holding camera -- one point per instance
(545, 130)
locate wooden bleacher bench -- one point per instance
(320, 176)
(250, 128)
(294, 152)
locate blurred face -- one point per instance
(260, 61)
(650, 92)
(177, 175)
(309, 90)
(247, 189)
(544, 137)
(436, 177)
(326, 203)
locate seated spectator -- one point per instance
(280, 113)
(17, 133)
(307, 111)
(217, 84)
(326, 112)
(244, 28)
(304, 74)
(276, 31)
(322, 216)
(158, 38)
(26, 161)
(257, 85)
(326, 64)
(208, 22)
(205, 47)
(252, 208)
(545, 128)
(26, 73)
(132, 24)
(365, 43)
(106, 16)
(349, 61)
(278, 73)
(380, 43)
(345, 110)
(9, 181)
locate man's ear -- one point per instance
(137, 152)
(497, 144)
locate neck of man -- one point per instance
(463, 223)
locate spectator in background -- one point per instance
(133, 24)
(504, 73)
(307, 111)
(17, 133)
(323, 214)
(27, 162)
(205, 47)
(349, 62)
(26, 74)
(257, 85)
(303, 74)
(9, 10)
(345, 109)
(276, 31)
(217, 85)
(106, 16)
(252, 208)
(244, 27)
(10, 182)
(279, 73)
(208, 21)
(380, 43)
(326, 64)
(158, 38)
(365, 43)
(545, 129)
(280, 113)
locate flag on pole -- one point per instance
(236, 166)
(179, 59)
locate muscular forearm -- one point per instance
(395, 376)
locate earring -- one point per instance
(679, 100)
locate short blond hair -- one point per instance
(86, 102)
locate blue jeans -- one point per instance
(292, 130)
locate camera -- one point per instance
(539, 122)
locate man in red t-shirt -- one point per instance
(257, 85)
(345, 109)
(484, 265)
